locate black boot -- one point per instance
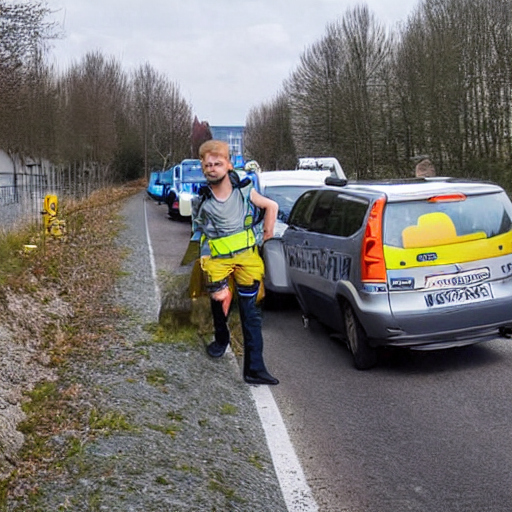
(261, 377)
(250, 317)
(220, 322)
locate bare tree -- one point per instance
(337, 91)
(92, 99)
(200, 133)
(24, 37)
(453, 68)
(367, 52)
(312, 91)
(165, 119)
(91, 118)
(24, 32)
(268, 136)
(440, 86)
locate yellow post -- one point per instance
(52, 225)
(49, 211)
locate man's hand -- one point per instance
(223, 296)
(271, 209)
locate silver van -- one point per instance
(422, 263)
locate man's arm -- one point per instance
(271, 208)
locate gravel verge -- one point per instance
(176, 430)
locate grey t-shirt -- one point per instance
(222, 218)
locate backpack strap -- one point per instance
(256, 213)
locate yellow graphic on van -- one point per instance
(434, 229)
(446, 247)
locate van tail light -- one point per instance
(373, 266)
(447, 198)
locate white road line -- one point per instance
(296, 491)
(151, 255)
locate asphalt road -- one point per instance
(422, 432)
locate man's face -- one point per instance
(215, 168)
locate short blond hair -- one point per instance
(214, 147)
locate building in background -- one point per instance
(234, 136)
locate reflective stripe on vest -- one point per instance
(228, 245)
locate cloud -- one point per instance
(226, 55)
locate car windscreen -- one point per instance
(426, 223)
(193, 173)
(166, 177)
(285, 196)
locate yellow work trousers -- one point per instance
(244, 267)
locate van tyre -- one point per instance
(364, 355)
(173, 214)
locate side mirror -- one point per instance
(335, 182)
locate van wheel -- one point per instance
(169, 200)
(364, 355)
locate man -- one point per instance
(425, 169)
(224, 217)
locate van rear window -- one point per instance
(411, 224)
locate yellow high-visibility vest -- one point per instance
(229, 245)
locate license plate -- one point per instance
(468, 278)
(443, 298)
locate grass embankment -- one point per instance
(51, 300)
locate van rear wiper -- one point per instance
(296, 228)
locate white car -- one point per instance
(285, 187)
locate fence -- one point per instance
(22, 192)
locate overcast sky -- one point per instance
(227, 56)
